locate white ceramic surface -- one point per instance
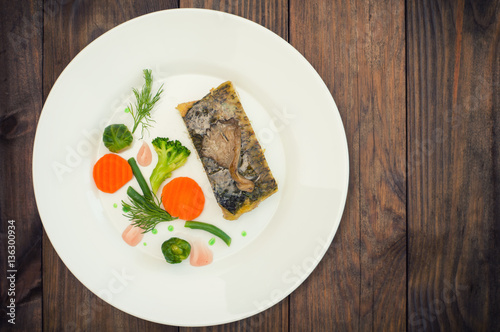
(293, 115)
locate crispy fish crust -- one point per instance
(214, 123)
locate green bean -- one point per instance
(140, 179)
(209, 228)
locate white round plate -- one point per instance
(296, 121)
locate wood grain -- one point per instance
(329, 298)
(271, 14)
(358, 48)
(274, 16)
(20, 105)
(417, 84)
(453, 164)
(67, 304)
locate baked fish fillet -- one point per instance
(229, 150)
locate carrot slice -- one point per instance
(182, 197)
(111, 172)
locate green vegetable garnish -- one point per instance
(144, 211)
(209, 228)
(140, 179)
(144, 103)
(171, 156)
(175, 250)
(117, 137)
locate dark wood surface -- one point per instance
(417, 84)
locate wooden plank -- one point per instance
(334, 286)
(21, 102)
(381, 76)
(67, 304)
(453, 165)
(274, 16)
(358, 48)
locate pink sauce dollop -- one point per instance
(200, 254)
(132, 235)
(144, 156)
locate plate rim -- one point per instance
(290, 48)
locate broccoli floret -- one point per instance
(171, 156)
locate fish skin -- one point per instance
(221, 105)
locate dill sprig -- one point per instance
(144, 213)
(144, 103)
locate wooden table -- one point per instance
(417, 85)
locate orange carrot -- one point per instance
(182, 197)
(111, 172)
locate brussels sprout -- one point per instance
(175, 250)
(117, 137)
